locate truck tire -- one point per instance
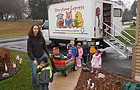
(55, 43)
(130, 57)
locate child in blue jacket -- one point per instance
(73, 47)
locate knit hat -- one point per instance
(98, 51)
(44, 59)
(85, 40)
(92, 40)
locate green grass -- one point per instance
(131, 32)
(18, 28)
(133, 27)
(21, 80)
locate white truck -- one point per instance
(97, 20)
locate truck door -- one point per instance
(99, 19)
(45, 30)
(107, 16)
(117, 18)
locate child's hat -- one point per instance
(92, 40)
(44, 59)
(85, 40)
(98, 51)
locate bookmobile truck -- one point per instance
(97, 20)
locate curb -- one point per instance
(12, 39)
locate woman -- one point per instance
(36, 48)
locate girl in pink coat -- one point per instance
(96, 60)
(80, 53)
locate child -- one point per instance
(80, 53)
(96, 61)
(45, 74)
(70, 55)
(85, 51)
(93, 49)
(57, 54)
(73, 47)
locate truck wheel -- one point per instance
(55, 43)
(130, 57)
(75, 68)
(66, 73)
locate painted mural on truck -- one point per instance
(70, 20)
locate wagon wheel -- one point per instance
(74, 68)
(66, 73)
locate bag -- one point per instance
(131, 86)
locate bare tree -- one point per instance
(127, 15)
(12, 7)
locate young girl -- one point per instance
(36, 49)
(80, 53)
(96, 61)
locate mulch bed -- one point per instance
(11, 70)
(110, 82)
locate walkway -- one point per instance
(65, 83)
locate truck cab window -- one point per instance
(117, 12)
(45, 26)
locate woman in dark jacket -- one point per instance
(36, 48)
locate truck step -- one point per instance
(116, 43)
(111, 40)
(121, 47)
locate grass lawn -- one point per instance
(133, 27)
(18, 28)
(22, 80)
(131, 32)
(127, 23)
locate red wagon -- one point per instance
(64, 66)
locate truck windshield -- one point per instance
(45, 26)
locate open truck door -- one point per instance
(116, 18)
(99, 19)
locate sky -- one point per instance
(128, 3)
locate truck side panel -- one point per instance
(71, 20)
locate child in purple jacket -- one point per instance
(70, 54)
